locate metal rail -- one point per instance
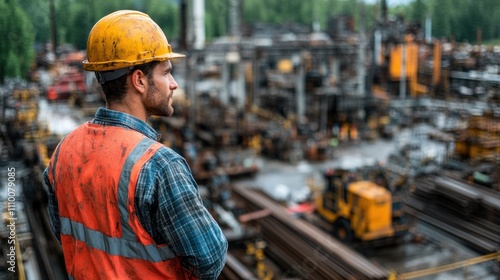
(447, 267)
(466, 212)
(304, 250)
(235, 270)
(50, 261)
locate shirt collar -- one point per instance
(106, 116)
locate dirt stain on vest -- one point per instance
(124, 151)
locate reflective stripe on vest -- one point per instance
(114, 246)
(136, 153)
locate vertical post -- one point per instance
(234, 18)
(324, 111)
(199, 24)
(92, 13)
(191, 87)
(241, 90)
(384, 11)
(255, 100)
(479, 42)
(53, 28)
(300, 88)
(361, 70)
(428, 29)
(224, 92)
(183, 25)
(402, 81)
(4, 102)
(377, 48)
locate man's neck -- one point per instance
(129, 108)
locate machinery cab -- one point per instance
(332, 204)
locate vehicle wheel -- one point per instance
(342, 230)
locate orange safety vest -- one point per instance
(94, 172)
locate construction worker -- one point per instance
(123, 205)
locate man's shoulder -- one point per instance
(166, 154)
(79, 129)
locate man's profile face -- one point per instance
(161, 86)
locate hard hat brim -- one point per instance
(117, 64)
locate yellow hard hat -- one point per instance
(123, 39)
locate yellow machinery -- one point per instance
(480, 141)
(264, 272)
(409, 52)
(26, 107)
(358, 210)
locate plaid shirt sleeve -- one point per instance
(53, 207)
(171, 210)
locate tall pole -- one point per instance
(402, 82)
(93, 16)
(53, 28)
(361, 71)
(198, 24)
(183, 25)
(234, 18)
(384, 11)
(300, 87)
(428, 29)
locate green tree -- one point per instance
(12, 65)
(39, 18)
(493, 23)
(166, 15)
(216, 17)
(418, 11)
(441, 18)
(490, 15)
(17, 44)
(63, 17)
(81, 17)
(470, 21)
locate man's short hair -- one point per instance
(116, 89)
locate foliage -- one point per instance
(166, 15)
(17, 44)
(39, 17)
(305, 12)
(460, 20)
(418, 11)
(83, 19)
(215, 18)
(442, 16)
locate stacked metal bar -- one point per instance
(303, 249)
(470, 213)
(235, 270)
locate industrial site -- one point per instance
(341, 152)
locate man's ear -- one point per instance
(138, 80)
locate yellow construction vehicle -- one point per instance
(356, 209)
